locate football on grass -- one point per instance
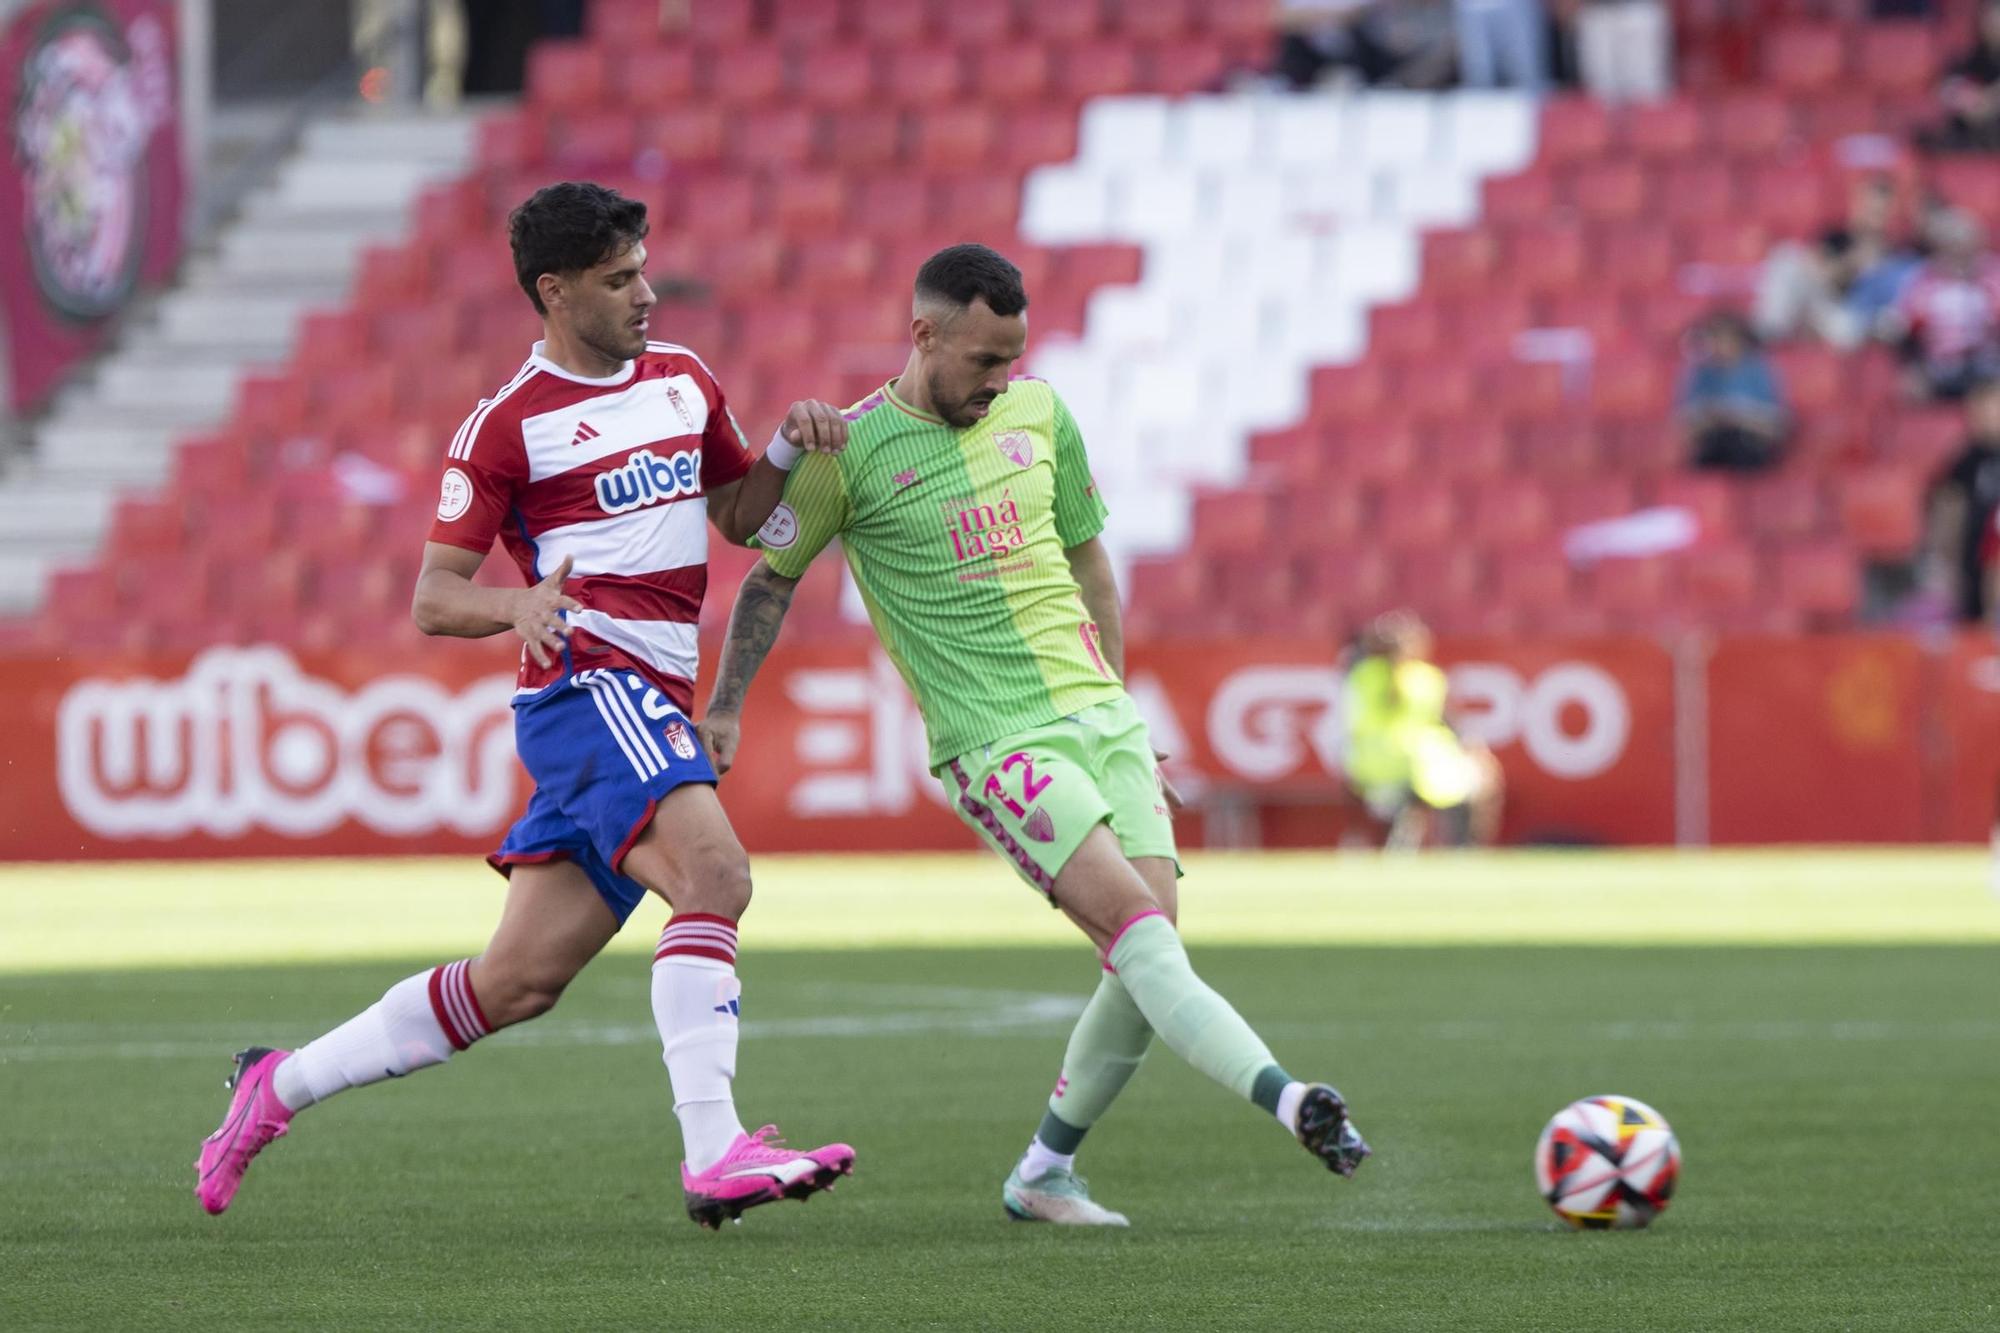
(1607, 1162)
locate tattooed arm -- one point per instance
(754, 623)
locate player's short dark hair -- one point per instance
(962, 274)
(568, 227)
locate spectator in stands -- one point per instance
(1961, 510)
(1624, 48)
(1837, 288)
(1947, 317)
(1729, 403)
(1403, 759)
(1970, 93)
(1503, 43)
(1380, 43)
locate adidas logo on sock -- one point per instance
(584, 432)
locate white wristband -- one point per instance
(782, 453)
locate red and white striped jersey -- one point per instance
(614, 472)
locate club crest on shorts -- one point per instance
(1039, 826)
(679, 740)
(1015, 446)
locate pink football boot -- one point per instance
(256, 1118)
(758, 1169)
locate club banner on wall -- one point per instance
(257, 751)
(90, 176)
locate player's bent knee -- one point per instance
(508, 1000)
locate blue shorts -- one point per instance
(604, 749)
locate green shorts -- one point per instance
(1033, 797)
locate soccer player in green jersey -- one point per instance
(967, 511)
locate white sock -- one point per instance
(417, 1023)
(1288, 1105)
(695, 1004)
(1040, 1159)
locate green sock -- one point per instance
(1197, 1024)
(1105, 1049)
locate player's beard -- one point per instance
(616, 340)
(956, 412)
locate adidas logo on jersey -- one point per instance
(645, 479)
(584, 434)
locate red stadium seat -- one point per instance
(1232, 522)
(651, 77)
(1036, 136)
(835, 76)
(1416, 514)
(808, 23)
(719, 206)
(1971, 183)
(1805, 57)
(688, 133)
(1721, 578)
(1898, 58)
(723, 22)
(1812, 378)
(1098, 69)
(1559, 449)
(1547, 258)
(1591, 498)
(1527, 197)
(1404, 332)
(1019, 74)
(806, 202)
(1823, 580)
(838, 265)
(858, 142)
(925, 76)
(1786, 506)
(1477, 450)
(978, 24)
(1187, 65)
(1612, 190)
(1510, 513)
(1457, 261)
(1711, 499)
(954, 139)
(1533, 577)
(775, 137)
(563, 75)
(1063, 21)
(1377, 449)
(1242, 20)
(1632, 590)
(1749, 125)
(1880, 509)
(982, 205)
(619, 25)
(746, 75)
(887, 23)
(899, 206)
(1574, 129)
(1154, 20)
(1836, 117)
(1345, 393)
(1666, 130)
(587, 143)
(1788, 201)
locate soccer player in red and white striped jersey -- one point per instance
(599, 467)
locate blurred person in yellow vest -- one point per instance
(1403, 759)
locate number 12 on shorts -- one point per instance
(1032, 787)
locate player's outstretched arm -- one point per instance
(448, 602)
(754, 622)
(739, 509)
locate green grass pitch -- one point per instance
(1835, 1101)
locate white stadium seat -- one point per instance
(1121, 132)
(1065, 206)
(1146, 205)
(1490, 132)
(1211, 131)
(1394, 127)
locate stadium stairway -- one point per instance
(237, 307)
